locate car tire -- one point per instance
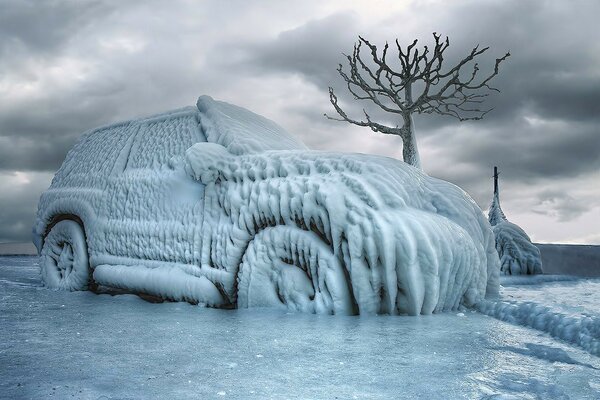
(287, 267)
(64, 261)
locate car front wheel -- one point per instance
(291, 268)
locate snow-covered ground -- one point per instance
(81, 345)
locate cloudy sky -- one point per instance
(67, 66)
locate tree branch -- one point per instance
(442, 90)
(375, 127)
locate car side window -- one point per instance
(159, 139)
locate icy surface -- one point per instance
(518, 256)
(218, 205)
(568, 310)
(577, 298)
(86, 346)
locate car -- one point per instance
(219, 206)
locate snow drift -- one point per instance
(518, 256)
(219, 206)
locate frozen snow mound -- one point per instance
(518, 256)
(341, 233)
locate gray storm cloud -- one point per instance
(66, 67)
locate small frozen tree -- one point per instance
(421, 85)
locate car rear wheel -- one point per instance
(64, 258)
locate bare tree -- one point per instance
(420, 86)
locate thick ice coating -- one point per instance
(341, 233)
(241, 131)
(219, 206)
(518, 256)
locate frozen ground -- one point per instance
(576, 298)
(567, 309)
(80, 345)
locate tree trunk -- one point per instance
(410, 152)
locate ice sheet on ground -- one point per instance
(577, 298)
(81, 345)
(568, 310)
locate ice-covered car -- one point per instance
(216, 205)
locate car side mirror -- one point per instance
(204, 161)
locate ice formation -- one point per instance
(518, 256)
(583, 331)
(219, 206)
(372, 234)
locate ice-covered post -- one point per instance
(517, 254)
(495, 214)
(495, 180)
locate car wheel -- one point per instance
(64, 257)
(291, 268)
